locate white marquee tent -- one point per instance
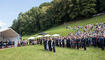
(55, 35)
(9, 35)
(31, 38)
(47, 35)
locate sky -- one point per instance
(9, 9)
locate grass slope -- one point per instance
(62, 28)
(38, 53)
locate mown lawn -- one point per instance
(62, 28)
(38, 53)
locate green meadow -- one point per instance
(37, 52)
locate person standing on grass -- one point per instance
(60, 42)
(94, 41)
(57, 42)
(101, 39)
(53, 46)
(49, 44)
(78, 42)
(40, 41)
(84, 43)
(68, 42)
(44, 43)
(63, 44)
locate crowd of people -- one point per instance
(49, 44)
(23, 43)
(82, 37)
(6, 44)
(90, 35)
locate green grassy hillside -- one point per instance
(37, 52)
(62, 28)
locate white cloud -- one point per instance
(2, 24)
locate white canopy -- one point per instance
(39, 36)
(47, 35)
(55, 35)
(31, 38)
(8, 33)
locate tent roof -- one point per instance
(8, 32)
(31, 38)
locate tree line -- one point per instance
(54, 13)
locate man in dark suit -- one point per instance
(87, 41)
(84, 42)
(101, 39)
(49, 44)
(56, 42)
(94, 41)
(53, 46)
(63, 43)
(45, 41)
(60, 42)
(68, 43)
(40, 41)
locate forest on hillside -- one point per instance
(54, 13)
